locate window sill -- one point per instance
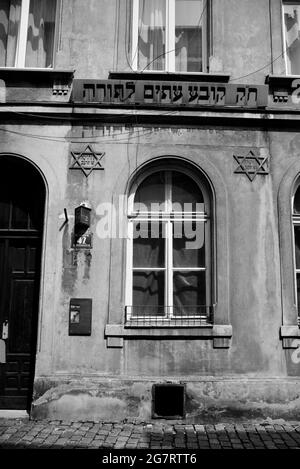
(290, 336)
(282, 91)
(220, 334)
(281, 80)
(36, 70)
(171, 76)
(28, 85)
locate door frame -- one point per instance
(33, 164)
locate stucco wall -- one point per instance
(255, 292)
(94, 38)
(242, 38)
(255, 309)
(82, 376)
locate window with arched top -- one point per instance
(169, 248)
(296, 226)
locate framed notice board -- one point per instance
(80, 316)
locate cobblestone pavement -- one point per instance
(68, 435)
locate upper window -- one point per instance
(291, 12)
(170, 35)
(169, 249)
(27, 33)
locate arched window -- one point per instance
(169, 248)
(296, 225)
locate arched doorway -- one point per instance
(22, 201)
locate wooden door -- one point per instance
(21, 219)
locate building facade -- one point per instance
(149, 208)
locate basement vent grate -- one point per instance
(168, 401)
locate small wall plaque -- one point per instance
(251, 165)
(87, 160)
(80, 316)
(84, 241)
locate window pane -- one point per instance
(188, 35)
(297, 245)
(148, 293)
(4, 213)
(186, 194)
(150, 195)
(296, 207)
(298, 293)
(41, 29)
(188, 244)
(26, 207)
(4, 202)
(10, 14)
(292, 37)
(148, 245)
(189, 292)
(20, 212)
(35, 210)
(152, 33)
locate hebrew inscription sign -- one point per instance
(170, 93)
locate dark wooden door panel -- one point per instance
(13, 402)
(21, 316)
(20, 307)
(3, 280)
(17, 374)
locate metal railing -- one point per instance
(163, 316)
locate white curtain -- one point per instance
(41, 29)
(188, 35)
(152, 33)
(292, 37)
(10, 14)
(40, 35)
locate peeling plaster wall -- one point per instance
(206, 400)
(242, 38)
(87, 37)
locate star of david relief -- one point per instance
(87, 160)
(251, 165)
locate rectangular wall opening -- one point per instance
(168, 401)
